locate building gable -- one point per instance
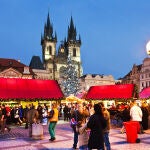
(10, 72)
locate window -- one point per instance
(74, 52)
(50, 50)
(146, 76)
(146, 70)
(146, 84)
(50, 70)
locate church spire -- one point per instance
(49, 28)
(48, 31)
(71, 31)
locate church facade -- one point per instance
(55, 61)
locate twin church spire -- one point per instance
(48, 31)
(56, 60)
(50, 35)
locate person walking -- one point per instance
(26, 109)
(80, 115)
(4, 119)
(65, 111)
(32, 117)
(125, 117)
(136, 114)
(107, 129)
(96, 124)
(145, 116)
(53, 119)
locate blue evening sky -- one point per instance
(114, 33)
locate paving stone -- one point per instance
(17, 139)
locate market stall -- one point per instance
(111, 94)
(23, 91)
(144, 95)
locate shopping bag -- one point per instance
(44, 121)
(73, 123)
(37, 131)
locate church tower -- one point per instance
(48, 42)
(73, 47)
(56, 61)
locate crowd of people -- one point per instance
(93, 121)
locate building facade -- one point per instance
(55, 61)
(11, 68)
(88, 80)
(133, 76)
(145, 74)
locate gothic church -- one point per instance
(55, 61)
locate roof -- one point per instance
(120, 91)
(92, 75)
(16, 88)
(145, 93)
(129, 74)
(6, 63)
(36, 63)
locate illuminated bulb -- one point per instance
(148, 48)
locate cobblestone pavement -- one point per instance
(17, 139)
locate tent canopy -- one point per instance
(14, 88)
(120, 91)
(145, 93)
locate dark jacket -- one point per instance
(126, 115)
(97, 124)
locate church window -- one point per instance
(50, 50)
(50, 70)
(74, 52)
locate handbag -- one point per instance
(16, 116)
(37, 131)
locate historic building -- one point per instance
(12, 68)
(139, 75)
(88, 80)
(145, 74)
(54, 60)
(133, 76)
(38, 69)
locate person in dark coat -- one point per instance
(145, 116)
(96, 124)
(65, 111)
(125, 117)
